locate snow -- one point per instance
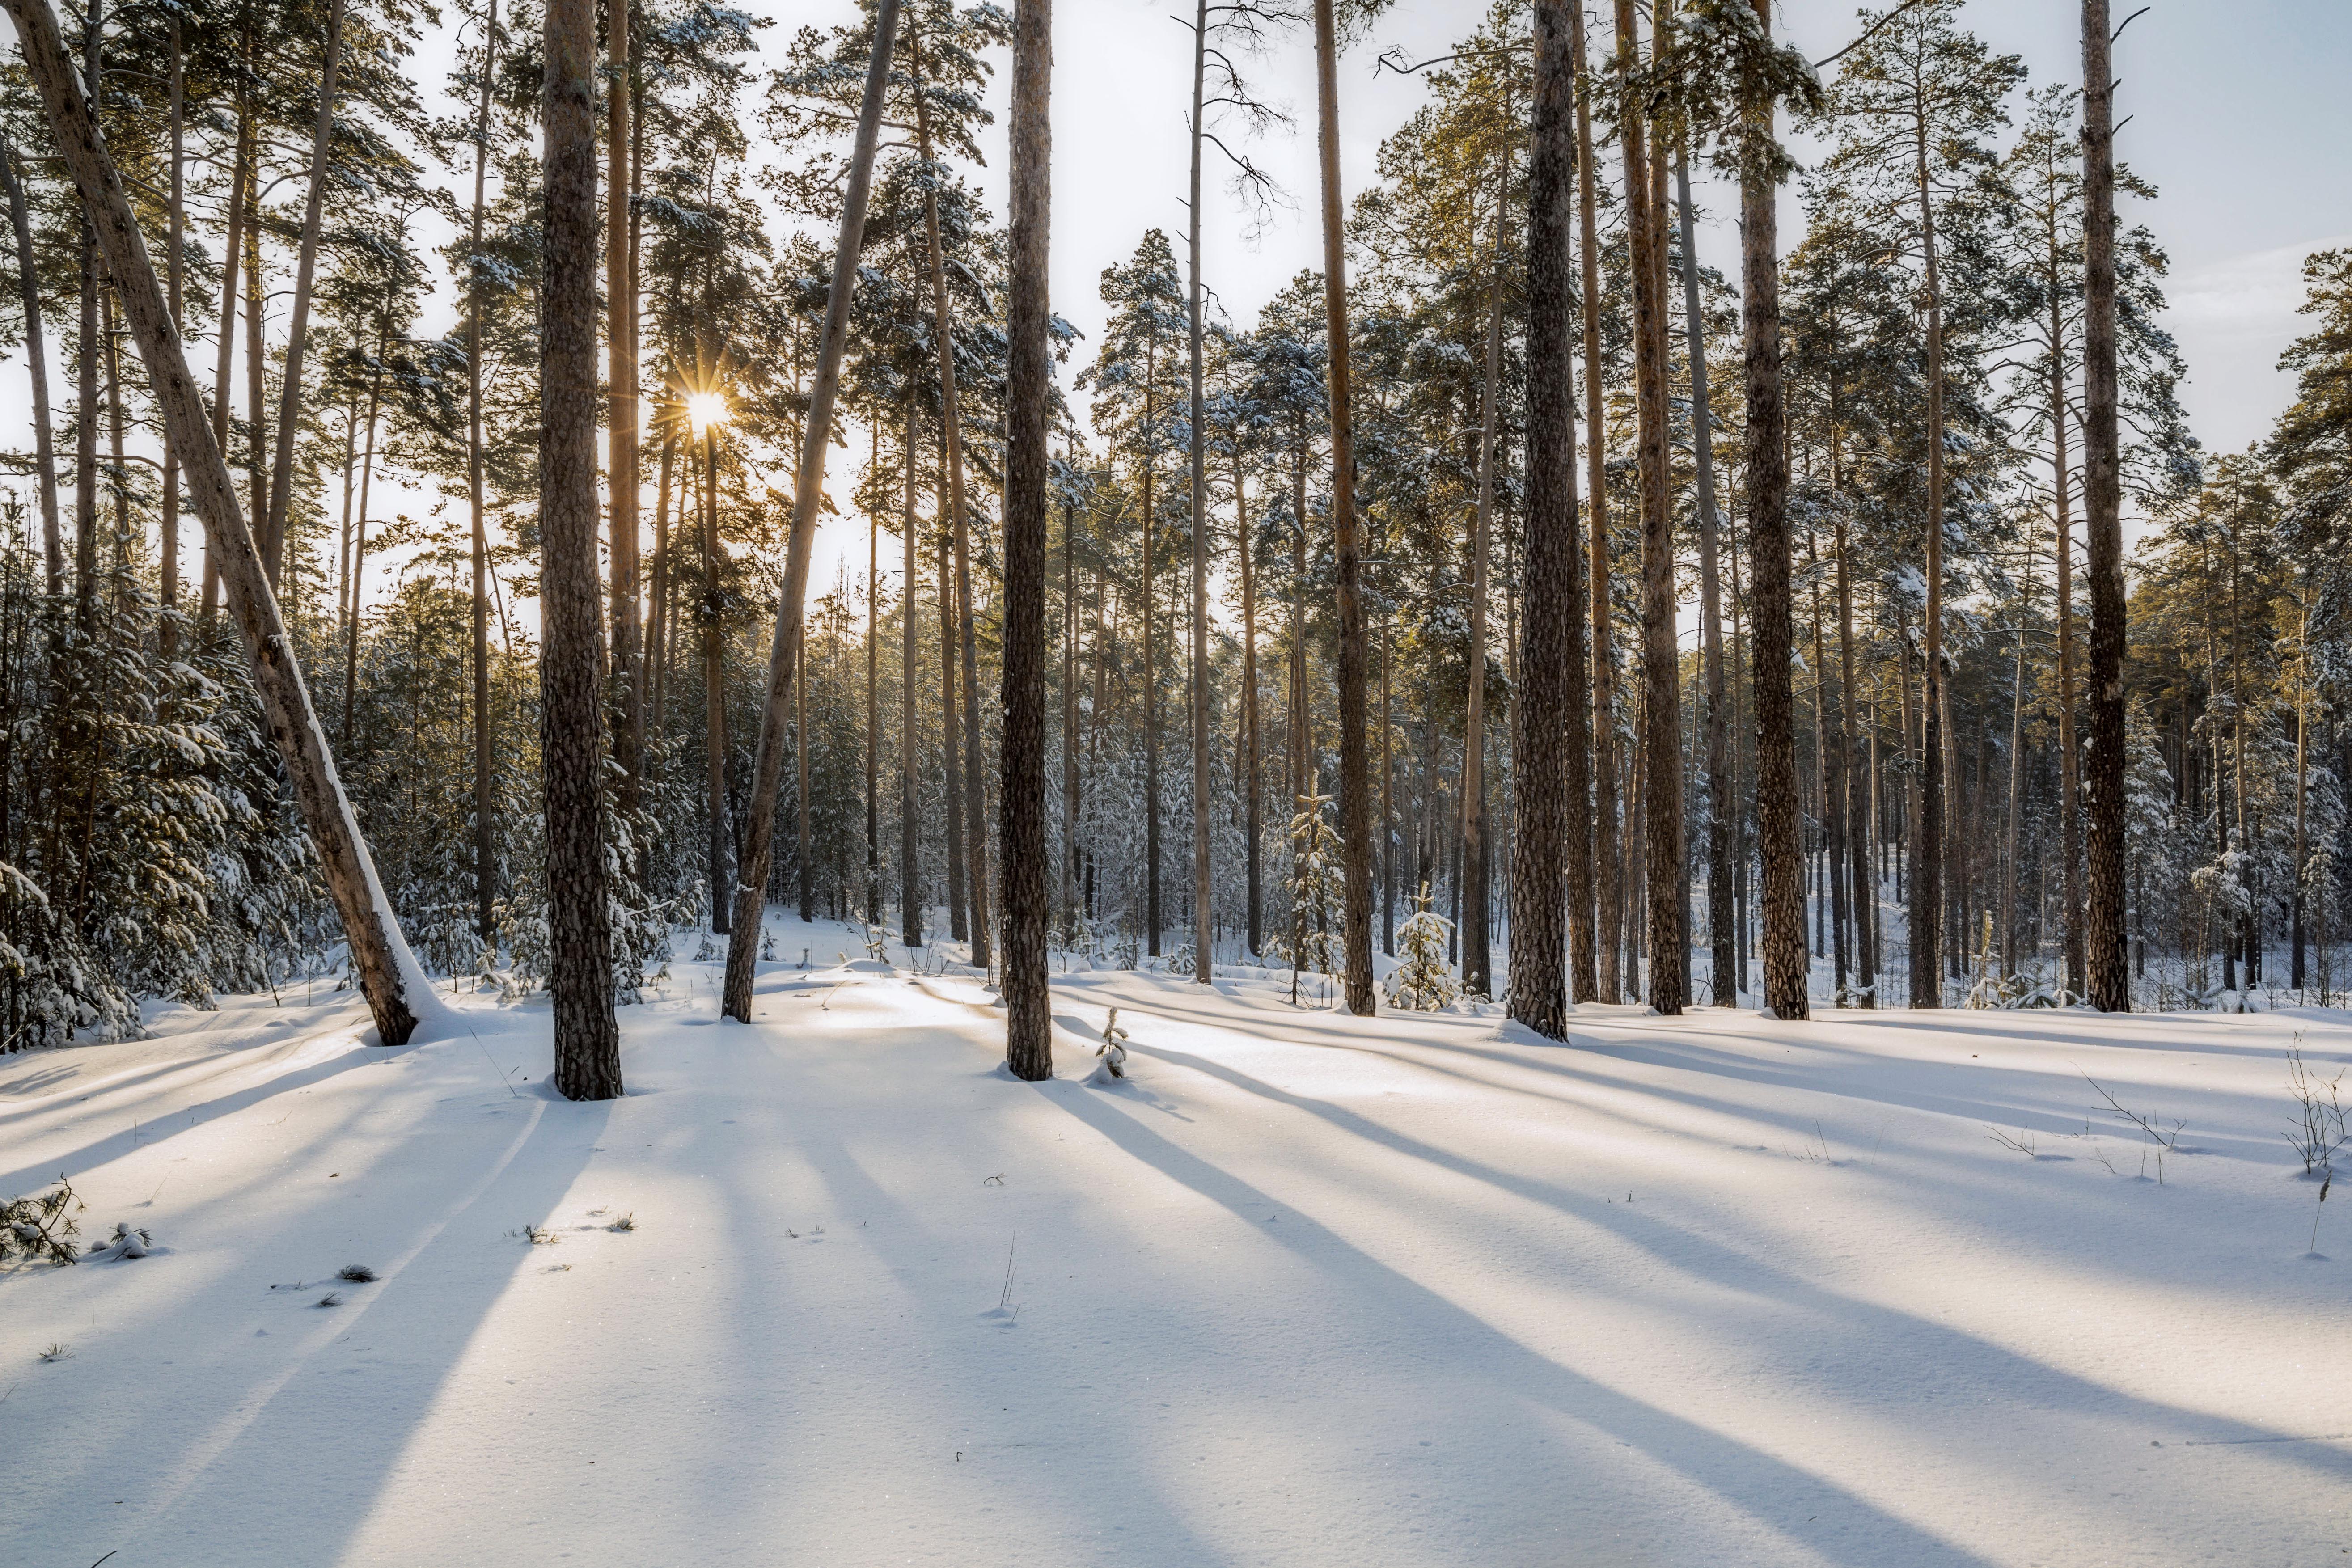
(1300, 1289)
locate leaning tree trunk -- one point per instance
(395, 987)
(2109, 980)
(572, 657)
(1548, 779)
(768, 772)
(1786, 965)
(1355, 768)
(1028, 1017)
(1662, 786)
(289, 395)
(28, 287)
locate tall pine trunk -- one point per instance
(484, 720)
(910, 888)
(1720, 809)
(572, 656)
(1028, 1018)
(1928, 870)
(1662, 751)
(951, 743)
(2109, 982)
(1603, 981)
(1547, 772)
(768, 769)
(1197, 683)
(1354, 804)
(1477, 966)
(1777, 814)
(714, 699)
(1253, 783)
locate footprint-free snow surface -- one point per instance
(1303, 1289)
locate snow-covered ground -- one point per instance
(1304, 1288)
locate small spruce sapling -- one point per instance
(1422, 983)
(1113, 1051)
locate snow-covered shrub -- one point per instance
(42, 1230)
(128, 1241)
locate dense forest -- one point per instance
(1514, 594)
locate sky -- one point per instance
(2237, 113)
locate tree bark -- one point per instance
(572, 657)
(1355, 804)
(1547, 776)
(289, 392)
(389, 976)
(1772, 614)
(2109, 983)
(1028, 1020)
(767, 777)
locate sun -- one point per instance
(705, 409)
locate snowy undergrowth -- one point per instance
(1297, 1288)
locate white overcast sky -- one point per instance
(2238, 112)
